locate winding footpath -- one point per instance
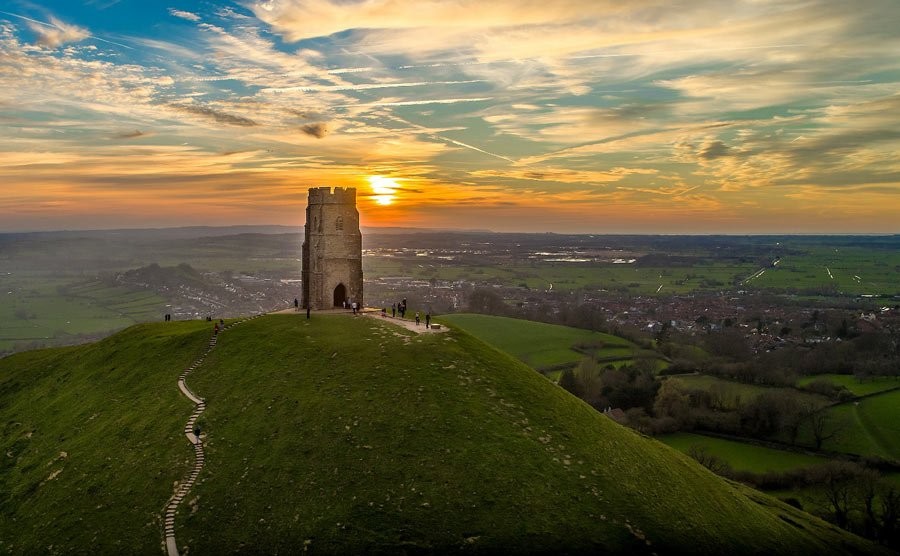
(184, 487)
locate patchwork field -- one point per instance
(36, 308)
(850, 270)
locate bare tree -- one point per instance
(836, 480)
(708, 460)
(822, 426)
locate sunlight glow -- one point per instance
(384, 189)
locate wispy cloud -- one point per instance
(190, 16)
(217, 115)
(55, 32)
(317, 130)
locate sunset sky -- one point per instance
(646, 116)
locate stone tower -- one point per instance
(332, 249)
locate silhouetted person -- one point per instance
(393, 310)
(296, 304)
(427, 320)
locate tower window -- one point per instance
(339, 223)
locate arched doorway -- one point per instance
(340, 295)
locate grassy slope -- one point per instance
(869, 428)
(740, 455)
(537, 343)
(347, 435)
(113, 408)
(854, 385)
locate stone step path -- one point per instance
(184, 487)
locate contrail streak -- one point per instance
(448, 140)
(415, 102)
(52, 26)
(365, 86)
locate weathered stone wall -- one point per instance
(332, 248)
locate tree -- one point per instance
(568, 381)
(888, 531)
(672, 400)
(487, 302)
(836, 488)
(587, 374)
(822, 426)
(708, 460)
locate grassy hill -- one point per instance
(347, 435)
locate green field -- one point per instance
(870, 427)
(734, 394)
(854, 385)
(621, 278)
(845, 269)
(803, 266)
(385, 444)
(38, 308)
(539, 344)
(742, 456)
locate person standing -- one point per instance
(296, 304)
(307, 312)
(393, 310)
(417, 318)
(427, 320)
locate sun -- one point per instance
(384, 189)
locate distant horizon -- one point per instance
(600, 117)
(375, 229)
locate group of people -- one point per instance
(218, 326)
(352, 305)
(168, 317)
(398, 308)
(427, 319)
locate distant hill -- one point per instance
(344, 435)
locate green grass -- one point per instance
(734, 394)
(92, 441)
(392, 442)
(347, 435)
(538, 344)
(38, 309)
(874, 268)
(869, 427)
(742, 456)
(851, 383)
